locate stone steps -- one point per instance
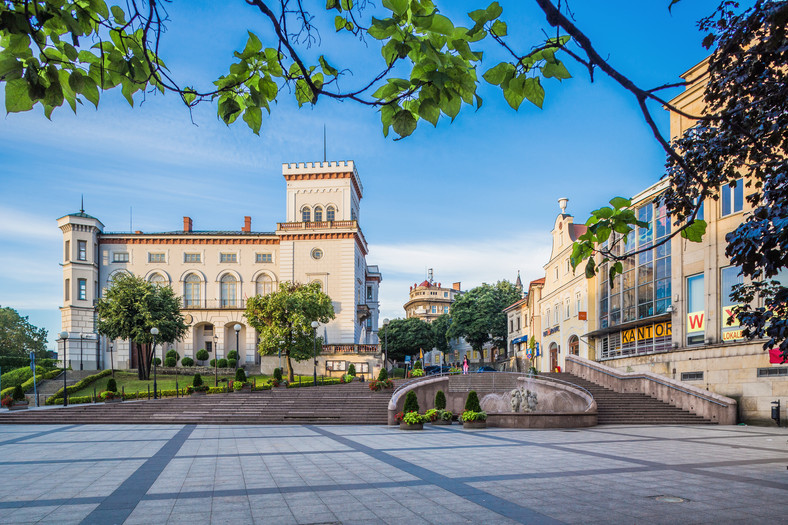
(629, 408)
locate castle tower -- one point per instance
(80, 289)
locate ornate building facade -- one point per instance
(214, 272)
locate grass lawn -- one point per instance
(131, 383)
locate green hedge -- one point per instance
(320, 382)
(28, 384)
(57, 397)
(15, 377)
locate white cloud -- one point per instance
(470, 261)
(21, 225)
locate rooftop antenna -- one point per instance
(324, 142)
(82, 204)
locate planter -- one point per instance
(406, 426)
(19, 405)
(474, 424)
(244, 389)
(441, 422)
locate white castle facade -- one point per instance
(214, 272)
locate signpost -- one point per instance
(33, 368)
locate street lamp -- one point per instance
(111, 360)
(80, 350)
(386, 343)
(215, 359)
(281, 345)
(64, 337)
(154, 332)
(237, 329)
(315, 324)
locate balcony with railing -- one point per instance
(214, 304)
(351, 349)
(288, 226)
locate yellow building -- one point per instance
(430, 300)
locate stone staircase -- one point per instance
(615, 408)
(351, 404)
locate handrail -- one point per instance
(655, 380)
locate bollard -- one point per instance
(148, 392)
(94, 394)
(776, 412)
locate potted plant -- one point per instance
(473, 416)
(19, 401)
(277, 379)
(439, 415)
(197, 388)
(111, 394)
(241, 384)
(409, 418)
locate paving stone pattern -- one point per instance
(313, 474)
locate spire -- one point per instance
(519, 283)
(82, 204)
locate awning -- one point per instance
(523, 339)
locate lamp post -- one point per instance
(111, 360)
(154, 332)
(237, 329)
(315, 324)
(80, 350)
(64, 337)
(215, 360)
(386, 343)
(281, 345)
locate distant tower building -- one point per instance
(428, 301)
(519, 284)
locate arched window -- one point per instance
(228, 291)
(191, 296)
(318, 214)
(574, 345)
(306, 215)
(318, 282)
(265, 285)
(158, 279)
(330, 213)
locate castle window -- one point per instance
(82, 249)
(67, 255)
(158, 279)
(156, 257)
(228, 257)
(191, 296)
(263, 257)
(317, 253)
(68, 290)
(330, 213)
(318, 214)
(265, 285)
(83, 289)
(228, 288)
(306, 214)
(191, 257)
(120, 257)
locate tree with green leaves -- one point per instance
(287, 315)
(132, 306)
(478, 315)
(440, 333)
(18, 337)
(407, 337)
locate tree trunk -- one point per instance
(290, 375)
(143, 360)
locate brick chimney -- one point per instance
(187, 224)
(456, 286)
(247, 224)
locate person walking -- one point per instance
(465, 365)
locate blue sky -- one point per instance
(474, 199)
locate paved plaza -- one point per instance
(367, 474)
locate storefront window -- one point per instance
(729, 278)
(696, 316)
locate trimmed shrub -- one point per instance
(278, 374)
(240, 375)
(232, 354)
(112, 385)
(417, 365)
(237, 385)
(172, 353)
(19, 394)
(187, 361)
(15, 377)
(231, 363)
(351, 370)
(157, 361)
(223, 363)
(170, 362)
(440, 400)
(411, 403)
(202, 355)
(57, 397)
(398, 373)
(197, 380)
(213, 362)
(472, 402)
(383, 375)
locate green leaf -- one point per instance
(120, 16)
(398, 7)
(450, 105)
(332, 4)
(253, 116)
(514, 92)
(441, 25)
(499, 73)
(695, 231)
(499, 28)
(10, 68)
(620, 202)
(429, 111)
(604, 213)
(404, 123)
(382, 29)
(327, 69)
(189, 95)
(590, 268)
(90, 90)
(555, 70)
(534, 91)
(17, 97)
(339, 23)
(253, 45)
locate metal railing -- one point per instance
(316, 224)
(351, 349)
(215, 304)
